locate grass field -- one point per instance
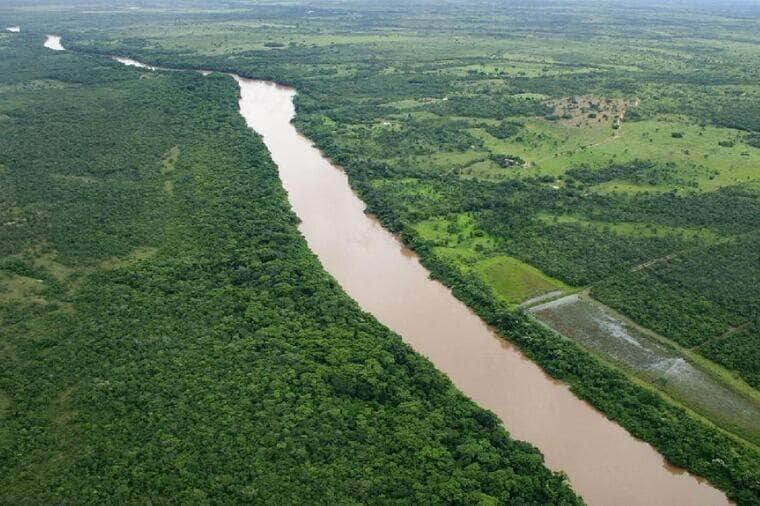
(516, 281)
(552, 148)
(459, 241)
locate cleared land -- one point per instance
(654, 360)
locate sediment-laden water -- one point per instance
(605, 464)
(133, 63)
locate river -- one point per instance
(604, 463)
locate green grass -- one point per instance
(458, 232)
(553, 147)
(486, 170)
(458, 241)
(516, 281)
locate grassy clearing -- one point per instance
(13, 287)
(553, 147)
(458, 231)
(169, 160)
(456, 240)
(511, 68)
(459, 241)
(485, 170)
(516, 281)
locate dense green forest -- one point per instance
(613, 149)
(703, 298)
(166, 333)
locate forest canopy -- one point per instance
(166, 333)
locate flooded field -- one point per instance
(597, 327)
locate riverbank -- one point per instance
(168, 336)
(613, 380)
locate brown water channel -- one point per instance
(605, 464)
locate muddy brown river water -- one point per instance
(605, 464)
